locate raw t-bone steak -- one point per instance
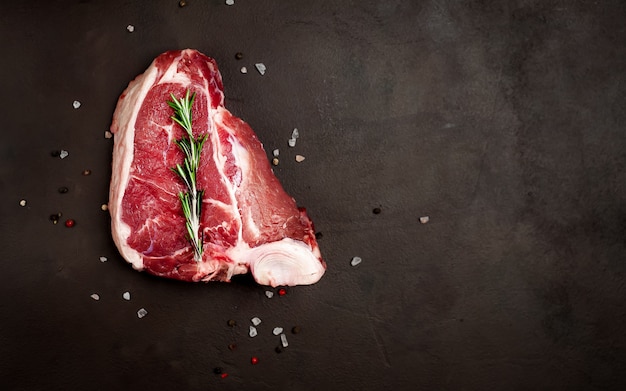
(248, 222)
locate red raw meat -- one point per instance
(248, 221)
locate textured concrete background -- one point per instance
(502, 121)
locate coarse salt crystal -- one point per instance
(355, 261)
(253, 333)
(22, 202)
(95, 296)
(276, 152)
(277, 330)
(269, 294)
(141, 313)
(244, 70)
(299, 158)
(255, 321)
(108, 134)
(130, 28)
(76, 104)
(283, 340)
(126, 295)
(424, 219)
(295, 133)
(230, 2)
(63, 154)
(260, 67)
(292, 142)
(103, 259)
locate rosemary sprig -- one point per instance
(191, 200)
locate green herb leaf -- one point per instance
(191, 200)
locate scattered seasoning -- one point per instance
(141, 313)
(232, 346)
(275, 161)
(76, 104)
(108, 134)
(295, 329)
(253, 333)
(295, 134)
(282, 292)
(126, 296)
(103, 259)
(238, 55)
(254, 360)
(318, 235)
(104, 207)
(283, 340)
(232, 323)
(244, 70)
(55, 153)
(63, 154)
(299, 158)
(269, 294)
(424, 219)
(218, 370)
(230, 2)
(261, 68)
(95, 296)
(277, 330)
(276, 152)
(292, 142)
(182, 3)
(130, 28)
(22, 203)
(255, 321)
(55, 218)
(69, 223)
(86, 172)
(224, 375)
(278, 349)
(355, 261)
(376, 211)
(63, 190)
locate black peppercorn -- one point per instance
(239, 55)
(218, 370)
(232, 323)
(295, 329)
(55, 218)
(63, 190)
(376, 211)
(182, 3)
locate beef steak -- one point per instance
(248, 221)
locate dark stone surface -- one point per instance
(502, 121)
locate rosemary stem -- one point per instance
(191, 200)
